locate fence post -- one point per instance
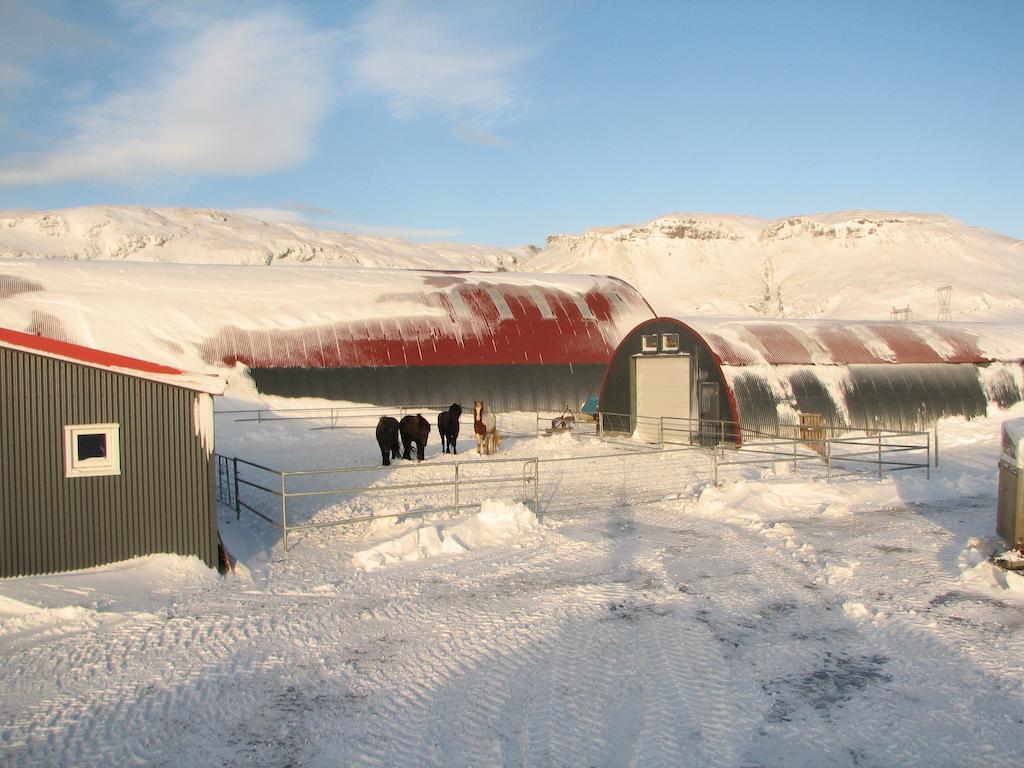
(284, 513)
(936, 445)
(661, 432)
(828, 459)
(928, 458)
(795, 444)
(456, 488)
(714, 466)
(600, 424)
(238, 509)
(536, 487)
(879, 454)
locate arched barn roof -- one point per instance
(897, 375)
(400, 318)
(838, 342)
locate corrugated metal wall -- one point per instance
(163, 500)
(502, 387)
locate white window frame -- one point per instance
(649, 343)
(95, 466)
(670, 342)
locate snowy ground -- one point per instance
(773, 621)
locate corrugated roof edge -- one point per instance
(98, 358)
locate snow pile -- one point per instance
(496, 522)
(978, 572)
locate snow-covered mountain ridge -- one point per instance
(184, 235)
(847, 264)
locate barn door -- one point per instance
(709, 413)
(661, 389)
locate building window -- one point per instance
(649, 343)
(92, 449)
(670, 342)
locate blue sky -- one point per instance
(503, 122)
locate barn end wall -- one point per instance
(502, 387)
(616, 396)
(163, 500)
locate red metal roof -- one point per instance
(97, 358)
(834, 342)
(465, 319)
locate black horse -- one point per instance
(414, 429)
(387, 439)
(448, 427)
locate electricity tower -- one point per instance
(945, 297)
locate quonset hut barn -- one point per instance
(105, 458)
(518, 341)
(382, 336)
(764, 373)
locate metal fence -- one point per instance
(342, 417)
(640, 459)
(831, 451)
(319, 498)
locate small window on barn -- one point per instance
(649, 342)
(92, 449)
(670, 342)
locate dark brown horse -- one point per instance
(448, 427)
(387, 439)
(414, 430)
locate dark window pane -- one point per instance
(92, 446)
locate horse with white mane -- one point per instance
(484, 426)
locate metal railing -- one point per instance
(290, 499)
(341, 417)
(842, 451)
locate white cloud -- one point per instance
(239, 97)
(431, 60)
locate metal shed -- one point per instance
(105, 458)
(766, 373)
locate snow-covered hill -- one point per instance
(853, 264)
(184, 235)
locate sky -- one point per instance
(501, 123)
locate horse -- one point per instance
(387, 439)
(414, 429)
(448, 427)
(485, 428)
